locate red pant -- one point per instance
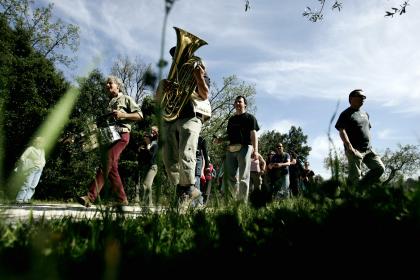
(114, 153)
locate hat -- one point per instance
(172, 51)
(357, 93)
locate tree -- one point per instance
(403, 162)
(49, 38)
(133, 76)
(318, 14)
(293, 141)
(338, 164)
(221, 100)
(30, 88)
(315, 15)
(70, 168)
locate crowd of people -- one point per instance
(187, 164)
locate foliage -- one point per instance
(315, 15)
(335, 160)
(294, 142)
(381, 222)
(49, 38)
(339, 163)
(70, 169)
(400, 164)
(405, 161)
(31, 88)
(397, 11)
(133, 74)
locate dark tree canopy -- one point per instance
(294, 141)
(30, 87)
(49, 38)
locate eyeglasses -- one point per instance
(278, 147)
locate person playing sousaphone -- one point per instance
(123, 109)
(181, 96)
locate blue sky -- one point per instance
(300, 69)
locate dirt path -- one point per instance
(15, 213)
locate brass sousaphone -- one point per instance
(180, 85)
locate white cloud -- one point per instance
(385, 134)
(357, 50)
(282, 126)
(320, 150)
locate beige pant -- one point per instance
(371, 160)
(179, 146)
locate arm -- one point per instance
(219, 140)
(262, 164)
(344, 137)
(254, 142)
(205, 154)
(280, 164)
(203, 168)
(128, 110)
(26, 154)
(202, 87)
(268, 165)
(136, 116)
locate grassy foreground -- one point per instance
(377, 229)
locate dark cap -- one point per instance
(357, 93)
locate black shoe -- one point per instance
(84, 200)
(26, 202)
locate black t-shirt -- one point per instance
(282, 171)
(356, 124)
(147, 157)
(239, 128)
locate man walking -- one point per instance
(354, 127)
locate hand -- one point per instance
(357, 154)
(199, 72)
(118, 114)
(217, 140)
(354, 152)
(254, 154)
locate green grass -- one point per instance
(382, 223)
